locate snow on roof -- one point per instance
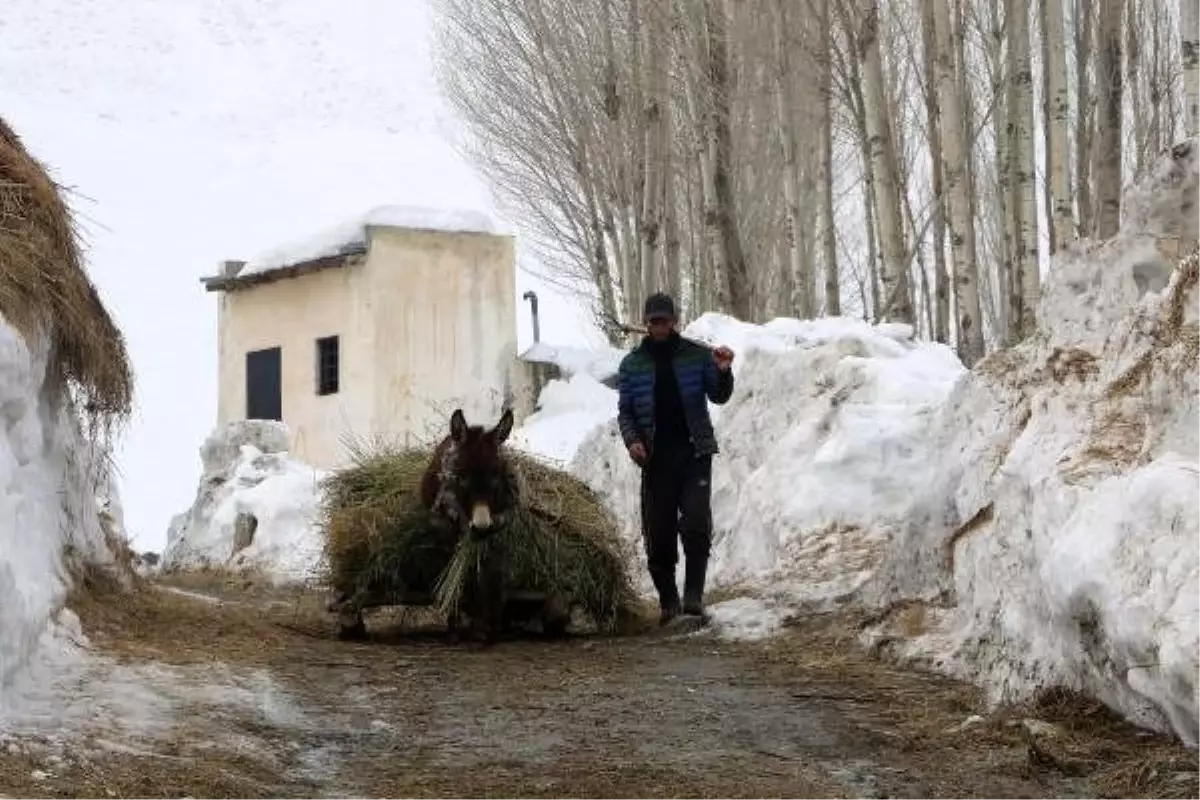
(350, 236)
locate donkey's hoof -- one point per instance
(352, 633)
(485, 641)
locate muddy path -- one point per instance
(251, 696)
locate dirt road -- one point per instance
(257, 699)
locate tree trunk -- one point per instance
(1000, 216)
(857, 107)
(1133, 64)
(956, 167)
(673, 278)
(1047, 195)
(827, 223)
(1025, 172)
(1058, 114)
(735, 282)
(1156, 86)
(1084, 116)
(941, 302)
(657, 112)
(713, 284)
(799, 281)
(896, 306)
(1189, 23)
(1109, 84)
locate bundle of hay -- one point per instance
(45, 291)
(382, 547)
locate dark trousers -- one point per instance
(676, 504)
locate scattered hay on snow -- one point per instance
(381, 543)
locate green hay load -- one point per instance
(381, 544)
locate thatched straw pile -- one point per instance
(45, 291)
(380, 543)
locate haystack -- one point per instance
(380, 542)
(44, 290)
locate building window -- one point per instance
(327, 365)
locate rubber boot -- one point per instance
(668, 595)
(695, 571)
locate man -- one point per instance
(664, 385)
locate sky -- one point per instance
(194, 131)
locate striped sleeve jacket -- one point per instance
(699, 381)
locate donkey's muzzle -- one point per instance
(481, 517)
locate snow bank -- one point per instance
(350, 236)
(568, 410)
(822, 452)
(1059, 546)
(256, 508)
(598, 364)
(1040, 512)
(50, 484)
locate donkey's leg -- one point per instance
(491, 598)
(350, 623)
(454, 626)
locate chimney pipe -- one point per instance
(532, 297)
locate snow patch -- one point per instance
(748, 619)
(256, 507)
(350, 236)
(599, 364)
(50, 485)
(72, 695)
(567, 412)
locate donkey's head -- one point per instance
(478, 473)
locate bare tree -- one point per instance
(728, 152)
(1058, 114)
(956, 166)
(828, 221)
(1025, 224)
(1085, 115)
(655, 46)
(936, 150)
(1189, 25)
(734, 286)
(896, 305)
(1109, 85)
(799, 277)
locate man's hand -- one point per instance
(637, 451)
(724, 358)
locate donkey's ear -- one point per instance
(458, 425)
(503, 427)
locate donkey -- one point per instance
(470, 488)
(469, 483)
